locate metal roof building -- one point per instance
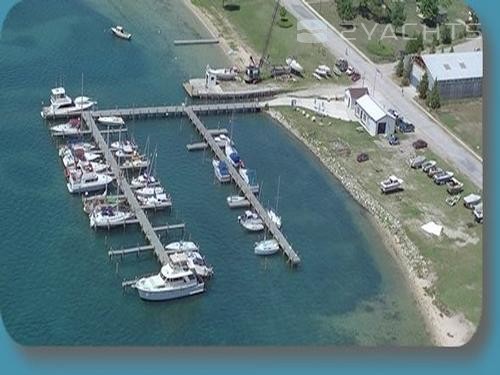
(458, 74)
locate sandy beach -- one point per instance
(450, 331)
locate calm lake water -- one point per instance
(58, 285)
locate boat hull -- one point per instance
(165, 295)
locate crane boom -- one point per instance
(268, 38)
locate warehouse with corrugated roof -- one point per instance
(458, 74)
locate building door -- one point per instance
(381, 127)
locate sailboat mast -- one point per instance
(278, 193)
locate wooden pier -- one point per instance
(257, 206)
(179, 110)
(192, 42)
(141, 217)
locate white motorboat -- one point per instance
(221, 171)
(250, 178)
(126, 146)
(222, 139)
(237, 201)
(223, 74)
(120, 32)
(251, 221)
(143, 180)
(155, 202)
(391, 185)
(169, 284)
(109, 216)
(111, 120)
(72, 127)
(81, 182)
(86, 146)
(232, 154)
(182, 246)
(266, 247)
(149, 191)
(92, 166)
(294, 65)
(62, 105)
(70, 159)
(125, 155)
(192, 260)
(135, 162)
(274, 217)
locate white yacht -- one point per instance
(81, 182)
(156, 202)
(221, 171)
(61, 105)
(250, 178)
(266, 247)
(108, 216)
(274, 217)
(192, 260)
(120, 32)
(222, 139)
(143, 180)
(149, 191)
(170, 283)
(86, 146)
(232, 154)
(92, 166)
(237, 201)
(126, 146)
(135, 162)
(182, 246)
(72, 127)
(122, 154)
(251, 221)
(111, 120)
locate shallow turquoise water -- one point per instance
(58, 286)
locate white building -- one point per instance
(352, 94)
(372, 117)
(458, 74)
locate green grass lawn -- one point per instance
(252, 21)
(367, 33)
(456, 256)
(465, 119)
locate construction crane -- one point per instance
(253, 71)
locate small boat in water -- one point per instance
(266, 247)
(111, 120)
(237, 201)
(192, 260)
(126, 146)
(170, 283)
(251, 221)
(92, 166)
(143, 180)
(222, 140)
(149, 191)
(221, 171)
(232, 154)
(72, 127)
(62, 105)
(250, 177)
(82, 182)
(109, 216)
(135, 162)
(155, 202)
(274, 218)
(120, 32)
(182, 246)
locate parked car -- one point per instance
(419, 144)
(393, 112)
(355, 77)
(342, 65)
(362, 157)
(404, 126)
(350, 70)
(417, 162)
(393, 140)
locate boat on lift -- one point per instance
(120, 32)
(111, 120)
(266, 247)
(172, 282)
(251, 221)
(61, 105)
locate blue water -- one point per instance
(58, 286)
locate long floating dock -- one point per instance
(273, 229)
(191, 42)
(141, 217)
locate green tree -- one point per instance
(415, 44)
(434, 99)
(423, 86)
(345, 10)
(452, 49)
(445, 32)
(398, 15)
(429, 9)
(400, 67)
(364, 8)
(405, 81)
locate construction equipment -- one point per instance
(253, 71)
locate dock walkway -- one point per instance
(273, 229)
(141, 217)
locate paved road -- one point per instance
(390, 95)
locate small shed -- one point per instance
(373, 117)
(352, 94)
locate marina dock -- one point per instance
(141, 217)
(192, 42)
(293, 258)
